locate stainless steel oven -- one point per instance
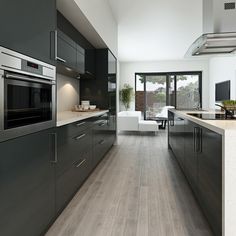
(27, 95)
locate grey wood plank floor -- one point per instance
(138, 189)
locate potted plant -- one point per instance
(126, 95)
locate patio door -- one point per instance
(155, 95)
(153, 91)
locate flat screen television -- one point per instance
(222, 91)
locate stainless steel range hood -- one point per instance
(219, 29)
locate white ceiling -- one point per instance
(150, 30)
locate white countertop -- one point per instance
(219, 126)
(67, 117)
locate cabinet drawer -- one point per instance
(71, 180)
(71, 149)
(74, 128)
(82, 143)
(99, 151)
(99, 131)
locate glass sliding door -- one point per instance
(153, 91)
(187, 91)
(155, 95)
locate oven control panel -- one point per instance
(31, 67)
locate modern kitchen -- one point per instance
(117, 125)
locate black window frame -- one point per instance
(168, 74)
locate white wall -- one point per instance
(99, 14)
(221, 69)
(156, 29)
(67, 93)
(128, 70)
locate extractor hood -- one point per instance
(219, 29)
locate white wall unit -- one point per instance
(221, 69)
(128, 70)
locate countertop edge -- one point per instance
(80, 118)
(205, 123)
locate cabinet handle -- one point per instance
(197, 139)
(60, 59)
(80, 137)
(87, 72)
(200, 140)
(55, 45)
(81, 163)
(79, 124)
(54, 135)
(194, 139)
(102, 142)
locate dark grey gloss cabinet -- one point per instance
(28, 26)
(74, 148)
(27, 187)
(70, 56)
(176, 130)
(66, 50)
(210, 177)
(201, 163)
(191, 161)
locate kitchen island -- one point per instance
(205, 151)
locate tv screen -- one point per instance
(222, 91)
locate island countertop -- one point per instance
(67, 117)
(222, 127)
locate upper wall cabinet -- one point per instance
(85, 55)
(90, 62)
(28, 27)
(70, 56)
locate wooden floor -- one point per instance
(138, 189)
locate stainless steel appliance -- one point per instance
(27, 95)
(219, 29)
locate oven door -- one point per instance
(29, 104)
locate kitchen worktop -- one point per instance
(222, 127)
(67, 117)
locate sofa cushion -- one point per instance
(148, 125)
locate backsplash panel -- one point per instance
(67, 93)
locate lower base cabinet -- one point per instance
(68, 183)
(27, 184)
(78, 154)
(202, 156)
(41, 172)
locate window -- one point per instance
(153, 91)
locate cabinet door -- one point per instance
(27, 185)
(27, 27)
(80, 57)
(210, 178)
(191, 163)
(90, 62)
(179, 140)
(66, 50)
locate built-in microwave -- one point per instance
(27, 95)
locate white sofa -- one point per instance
(131, 121)
(128, 120)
